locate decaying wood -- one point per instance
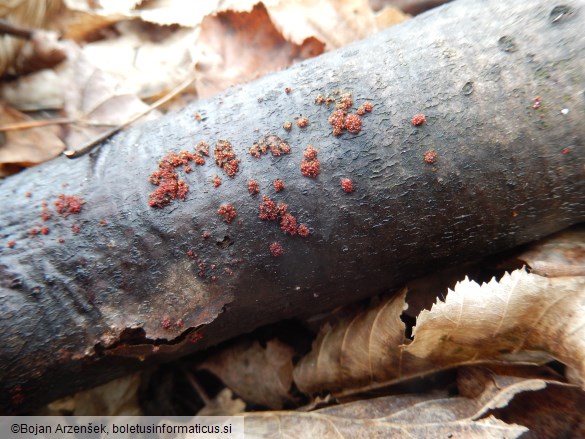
(78, 309)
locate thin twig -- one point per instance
(34, 124)
(15, 30)
(197, 387)
(91, 144)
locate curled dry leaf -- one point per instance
(27, 147)
(416, 416)
(522, 313)
(224, 404)
(95, 98)
(562, 254)
(258, 375)
(488, 405)
(313, 424)
(119, 397)
(235, 47)
(522, 318)
(357, 351)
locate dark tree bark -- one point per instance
(78, 309)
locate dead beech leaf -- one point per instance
(224, 404)
(118, 397)
(390, 16)
(562, 254)
(235, 47)
(95, 99)
(522, 313)
(329, 424)
(27, 147)
(334, 22)
(259, 375)
(358, 351)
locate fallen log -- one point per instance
(131, 254)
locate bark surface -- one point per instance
(77, 309)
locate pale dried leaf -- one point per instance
(390, 16)
(30, 14)
(334, 22)
(42, 90)
(562, 254)
(94, 98)
(27, 147)
(316, 425)
(119, 397)
(145, 64)
(235, 47)
(358, 351)
(521, 313)
(259, 375)
(224, 404)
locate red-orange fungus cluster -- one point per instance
(167, 179)
(418, 119)
(366, 107)
(303, 231)
(11, 244)
(279, 185)
(271, 143)
(337, 119)
(269, 211)
(216, 181)
(227, 212)
(430, 156)
(225, 157)
(302, 121)
(166, 323)
(340, 119)
(202, 148)
(287, 126)
(288, 224)
(67, 205)
(253, 187)
(536, 102)
(310, 167)
(347, 185)
(353, 123)
(310, 153)
(276, 249)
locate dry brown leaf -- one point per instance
(259, 375)
(119, 397)
(27, 147)
(41, 90)
(334, 22)
(562, 254)
(313, 424)
(390, 16)
(522, 314)
(488, 405)
(29, 14)
(94, 98)
(224, 404)
(523, 318)
(235, 47)
(357, 351)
